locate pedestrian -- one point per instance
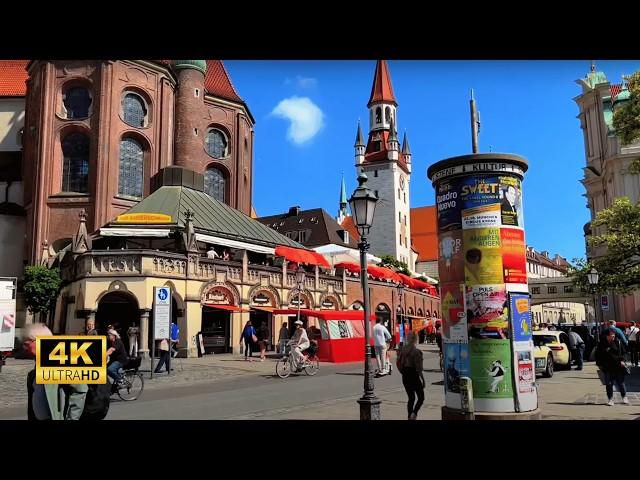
(610, 359)
(249, 337)
(632, 336)
(117, 355)
(263, 339)
(299, 343)
(577, 348)
(164, 347)
(283, 338)
(50, 401)
(380, 338)
(409, 364)
(175, 338)
(132, 333)
(619, 334)
(90, 328)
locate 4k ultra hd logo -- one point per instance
(71, 359)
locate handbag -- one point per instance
(254, 338)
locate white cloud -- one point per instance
(305, 116)
(302, 82)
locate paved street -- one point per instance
(225, 387)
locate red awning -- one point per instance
(407, 280)
(348, 266)
(229, 308)
(382, 272)
(327, 314)
(299, 255)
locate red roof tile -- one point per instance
(350, 227)
(424, 232)
(13, 77)
(218, 83)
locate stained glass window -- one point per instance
(214, 183)
(75, 164)
(131, 168)
(134, 110)
(216, 144)
(77, 102)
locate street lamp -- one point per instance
(363, 205)
(592, 277)
(300, 282)
(400, 310)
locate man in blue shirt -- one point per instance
(175, 337)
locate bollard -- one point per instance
(466, 396)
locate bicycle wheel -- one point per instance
(283, 367)
(132, 386)
(311, 366)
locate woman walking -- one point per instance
(263, 339)
(249, 336)
(610, 359)
(409, 364)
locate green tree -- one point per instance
(391, 261)
(41, 288)
(619, 267)
(626, 118)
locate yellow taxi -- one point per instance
(558, 343)
(543, 357)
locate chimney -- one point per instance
(294, 211)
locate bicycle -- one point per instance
(310, 366)
(132, 381)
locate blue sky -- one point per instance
(306, 116)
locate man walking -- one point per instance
(632, 336)
(577, 348)
(380, 338)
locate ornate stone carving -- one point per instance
(254, 276)
(220, 293)
(206, 270)
(117, 263)
(170, 265)
(258, 294)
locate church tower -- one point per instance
(388, 168)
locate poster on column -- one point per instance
(456, 365)
(482, 216)
(526, 376)
(479, 190)
(483, 256)
(511, 202)
(514, 257)
(491, 369)
(454, 324)
(451, 258)
(520, 316)
(448, 205)
(487, 312)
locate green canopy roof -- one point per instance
(212, 217)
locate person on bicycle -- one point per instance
(299, 343)
(117, 356)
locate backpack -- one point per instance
(96, 404)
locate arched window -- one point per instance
(77, 102)
(130, 182)
(75, 164)
(378, 115)
(214, 183)
(387, 114)
(216, 143)
(134, 110)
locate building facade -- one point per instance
(606, 175)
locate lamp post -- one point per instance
(592, 277)
(300, 282)
(363, 205)
(400, 288)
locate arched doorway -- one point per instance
(119, 309)
(218, 303)
(262, 302)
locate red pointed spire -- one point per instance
(381, 90)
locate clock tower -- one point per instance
(388, 168)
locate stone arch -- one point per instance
(330, 297)
(269, 291)
(293, 294)
(118, 307)
(230, 289)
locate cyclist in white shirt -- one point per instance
(380, 338)
(299, 343)
(632, 336)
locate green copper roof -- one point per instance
(212, 217)
(595, 78)
(343, 193)
(200, 65)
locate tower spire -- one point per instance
(359, 137)
(381, 90)
(342, 212)
(406, 149)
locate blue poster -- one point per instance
(448, 205)
(456, 365)
(520, 315)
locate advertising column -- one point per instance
(485, 298)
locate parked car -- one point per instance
(543, 357)
(585, 333)
(558, 342)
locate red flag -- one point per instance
(615, 91)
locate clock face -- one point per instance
(402, 182)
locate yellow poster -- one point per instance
(482, 256)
